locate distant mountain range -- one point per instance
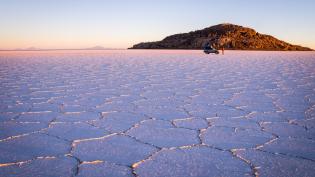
(97, 48)
(39, 49)
(27, 49)
(229, 36)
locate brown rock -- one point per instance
(229, 36)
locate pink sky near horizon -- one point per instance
(120, 24)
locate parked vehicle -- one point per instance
(215, 51)
(207, 49)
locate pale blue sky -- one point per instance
(122, 23)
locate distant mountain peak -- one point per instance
(29, 48)
(96, 48)
(227, 35)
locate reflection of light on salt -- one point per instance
(92, 162)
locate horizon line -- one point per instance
(62, 49)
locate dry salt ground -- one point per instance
(154, 113)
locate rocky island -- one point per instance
(229, 36)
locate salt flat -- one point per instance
(157, 113)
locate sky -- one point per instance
(50, 24)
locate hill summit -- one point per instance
(229, 36)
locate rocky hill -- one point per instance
(233, 37)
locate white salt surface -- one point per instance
(157, 113)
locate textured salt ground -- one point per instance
(157, 113)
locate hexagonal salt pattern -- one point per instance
(116, 149)
(157, 113)
(101, 168)
(42, 167)
(196, 161)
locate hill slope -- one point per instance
(230, 36)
